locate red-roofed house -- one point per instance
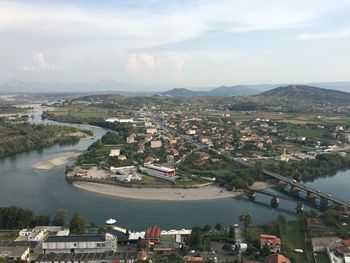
(152, 235)
(277, 258)
(346, 243)
(272, 241)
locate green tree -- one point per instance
(282, 219)
(77, 224)
(196, 238)
(246, 219)
(266, 250)
(60, 218)
(218, 226)
(206, 228)
(231, 233)
(41, 220)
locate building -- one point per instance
(203, 139)
(151, 130)
(39, 233)
(273, 242)
(152, 235)
(130, 139)
(106, 257)
(114, 152)
(122, 157)
(277, 258)
(190, 132)
(80, 244)
(120, 120)
(160, 172)
(15, 253)
(156, 144)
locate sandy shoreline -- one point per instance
(57, 161)
(163, 194)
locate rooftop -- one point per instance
(96, 238)
(61, 257)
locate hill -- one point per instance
(222, 91)
(307, 94)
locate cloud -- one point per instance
(141, 62)
(39, 64)
(340, 34)
(151, 23)
(145, 62)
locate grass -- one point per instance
(8, 235)
(322, 258)
(292, 236)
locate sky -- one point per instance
(175, 43)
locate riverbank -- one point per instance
(57, 161)
(210, 192)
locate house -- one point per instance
(122, 157)
(152, 235)
(141, 149)
(156, 144)
(131, 138)
(273, 242)
(79, 244)
(151, 130)
(114, 152)
(260, 145)
(191, 132)
(175, 152)
(203, 139)
(277, 258)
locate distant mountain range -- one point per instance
(304, 93)
(220, 91)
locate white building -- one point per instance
(114, 152)
(80, 244)
(120, 120)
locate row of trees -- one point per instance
(17, 218)
(323, 164)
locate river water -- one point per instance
(46, 191)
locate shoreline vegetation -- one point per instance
(56, 161)
(16, 137)
(210, 192)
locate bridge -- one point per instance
(311, 193)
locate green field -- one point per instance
(292, 236)
(322, 258)
(8, 235)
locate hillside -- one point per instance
(307, 94)
(220, 91)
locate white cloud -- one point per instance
(344, 33)
(141, 62)
(145, 62)
(140, 26)
(39, 64)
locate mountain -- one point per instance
(222, 91)
(18, 86)
(304, 93)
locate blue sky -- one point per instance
(176, 43)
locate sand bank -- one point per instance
(166, 194)
(57, 161)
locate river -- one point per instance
(46, 191)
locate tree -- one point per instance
(246, 219)
(206, 228)
(266, 250)
(196, 238)
(282, 219)
(77, 224)
(218, 226)
(60, 218)
(231, 233)
(41, 220)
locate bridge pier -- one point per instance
(310, 195)
(300, 208)
(323, 203)
(251, 195)
(275, 201)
